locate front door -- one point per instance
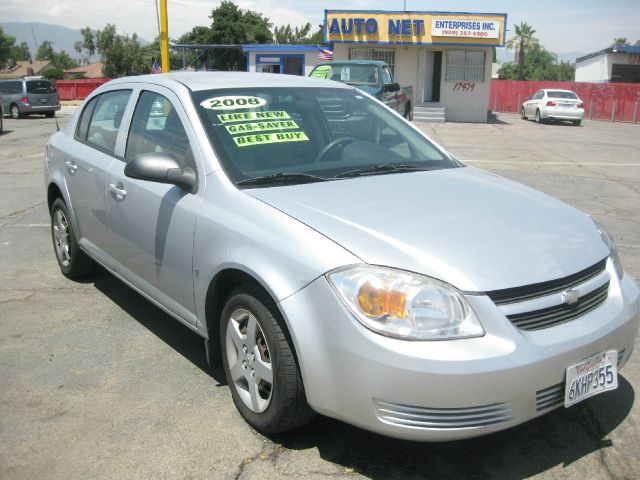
(432, 75)
(152, 223)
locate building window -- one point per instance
(465, 66)
(387, 56)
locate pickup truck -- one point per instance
(371, 77)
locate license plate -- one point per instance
(43, 100)
(590, 377)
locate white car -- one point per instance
(553, 104)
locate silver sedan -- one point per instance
(553, 104)
(335, 259)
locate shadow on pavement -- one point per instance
(183, 340)
(558, 438)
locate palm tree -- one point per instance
(521, 42)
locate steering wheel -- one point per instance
(332, 145)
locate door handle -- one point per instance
(118, 190)
(71, 166)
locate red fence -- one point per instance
(617, 102)
(78, 89)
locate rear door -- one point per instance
(41, 94)
(152, 224)
(86, 166)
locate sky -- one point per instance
(561, 25)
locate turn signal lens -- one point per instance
(25, 99)
(376, 302)
(581, 105)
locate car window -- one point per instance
(11, 87)
(40, 86)
(561, 94)
(85, 117)
(386, 75)
(352, 74)
(106, 118)
(319, 132)
(538, 95)
(156, 127)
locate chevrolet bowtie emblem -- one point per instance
(570, 297)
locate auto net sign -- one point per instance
(464, 28)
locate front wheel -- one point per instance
(522, 114)
(259, 363)
(73, 262)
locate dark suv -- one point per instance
(29, 95)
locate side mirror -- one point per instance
(391, 87)
(161, 168)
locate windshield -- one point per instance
(560, 94)
(316, 134)
(350, 74)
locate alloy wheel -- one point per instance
(249, 360)
(61, 237)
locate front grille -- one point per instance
(552, 316)
(552, 397)
(446, 418)
(537, 290)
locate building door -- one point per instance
(432, 75)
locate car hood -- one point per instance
(474, 230)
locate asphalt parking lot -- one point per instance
(98, 383)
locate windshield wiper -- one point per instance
(380, 169)
(282, 178)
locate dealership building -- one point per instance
(445, 56)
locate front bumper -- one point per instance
(446, 390)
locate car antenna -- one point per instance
(57, 126)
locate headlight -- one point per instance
(404, 305)
(613, 253)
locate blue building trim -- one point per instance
(270, 47)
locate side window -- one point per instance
(106, 118)
(386, 75)
(85, 116)
(156, 128)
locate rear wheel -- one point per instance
(49, 114)
(538, 117)
(259, 363)
(15, 111)
(73, 262)
(577, 123)
(408, 112)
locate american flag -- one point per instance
(324, 54)
(155, 68)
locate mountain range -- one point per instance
(35, 33)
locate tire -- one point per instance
(408, 112)
(538, 117)
(49, 114)
(73, 262)
(15, 111)
(259, 363)
(576, 123)
(522, 115)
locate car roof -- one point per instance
(197, 81)
(354, 62)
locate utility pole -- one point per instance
(164, 36)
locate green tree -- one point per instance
(86, 47)
(521, 43)
(122, 55)
(45, 51)
(6, 44)
(287, 35)
(20, 52)
(618, 42)
(63, 61)
(232, 26)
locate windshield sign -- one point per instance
(274, 136)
